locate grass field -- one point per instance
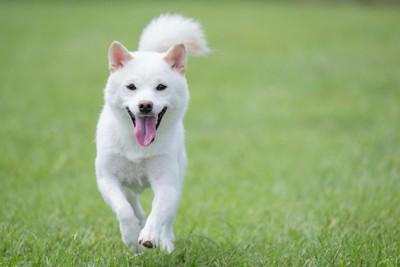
(293, 135)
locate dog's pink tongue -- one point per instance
(145, 129)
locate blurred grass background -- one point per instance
(293, 134)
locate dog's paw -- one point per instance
(130, 233)
(148, 239)
(167, 239)
(133, 246)
(167, 245)
(131, 242)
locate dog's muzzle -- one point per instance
(146, 125)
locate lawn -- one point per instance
(293, 135)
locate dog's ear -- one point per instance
(118, 56)
(176, 57)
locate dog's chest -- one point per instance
(133, 175)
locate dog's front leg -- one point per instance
(129, 224)
(166, 185)
(164, 207)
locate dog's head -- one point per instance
(149, 88)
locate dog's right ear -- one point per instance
(118, 56)
(176, 57)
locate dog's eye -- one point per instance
(131, 86)
(161, 87)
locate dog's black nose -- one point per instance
(145, 106)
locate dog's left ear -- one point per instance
(176, 57)
(118, 55)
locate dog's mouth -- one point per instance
(146, 126)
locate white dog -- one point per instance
(140, 134)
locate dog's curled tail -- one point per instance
(170, 29)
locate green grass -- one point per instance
(293, 135)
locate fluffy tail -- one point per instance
(169, 29)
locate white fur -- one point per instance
(163, 32)
(123, 167)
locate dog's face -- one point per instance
(148, 87)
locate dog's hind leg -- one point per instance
(137, 208)
(167, 236)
